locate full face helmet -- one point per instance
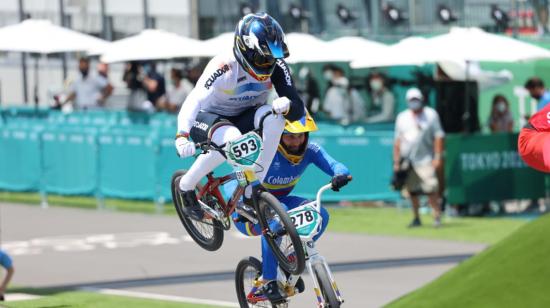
(259, 42)
(304, 125)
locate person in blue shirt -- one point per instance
(5, 262)
(536, 89)
(294, 154)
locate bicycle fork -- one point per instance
(318, 259)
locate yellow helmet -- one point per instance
(304, 125)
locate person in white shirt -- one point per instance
(342, 102)
(174, 98)
(419, 141)
(89, 91)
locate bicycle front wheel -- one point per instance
(281, 234)
(329, 295)
(207, 233)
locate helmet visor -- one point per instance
(263, 61)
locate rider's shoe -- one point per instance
(300, 286)
(271, 291)
(191, 206)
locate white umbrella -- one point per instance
(409, 51)
(41, 36)
(152, 45)
(305, 48)
(474, 44)
(302, 47)
(460, 45)
(349, 48)
(215, 45)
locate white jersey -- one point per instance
(224, 88)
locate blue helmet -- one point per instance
(259, 42)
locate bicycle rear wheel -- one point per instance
(329, 295)
(207, 233)
(247, 275)
(282, 236)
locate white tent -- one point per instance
(152, 45)
(41, 36)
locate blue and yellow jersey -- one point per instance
(283, 175)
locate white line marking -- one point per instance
(12, 297)
(171, 298)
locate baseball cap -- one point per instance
(414, 93)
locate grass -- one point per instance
(512, 273)
(123, 205)
(81, 299)
(375, 221)
(393, 221)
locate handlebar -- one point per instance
(322, 190)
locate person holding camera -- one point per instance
(418, 153)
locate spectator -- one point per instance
(153, 83)
(500, 119)
(133, 80)
(5, 262)
(89, 91)
(309, 89)
(536, 89)
(342, 103)
(382, 100)
(172, 100)
(419, 141)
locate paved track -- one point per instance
(152, 254)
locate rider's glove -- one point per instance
(281, 105)
(340, 180)
(184, 147)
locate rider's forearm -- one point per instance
(188, 112)
(296, 111)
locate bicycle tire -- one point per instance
(242, 266)
(329, 295)
(269, 205)
(209, 242)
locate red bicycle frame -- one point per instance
(212, 187)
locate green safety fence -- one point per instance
(368, 156)
(20, 159)
(480, 168)
(69, 161)
(127, 164)
(132, 155)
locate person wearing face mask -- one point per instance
(419, 145)
(88, 91)
(172, 100)
(342, 102)
(500, 119)
(536, 89)
(382, 100)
